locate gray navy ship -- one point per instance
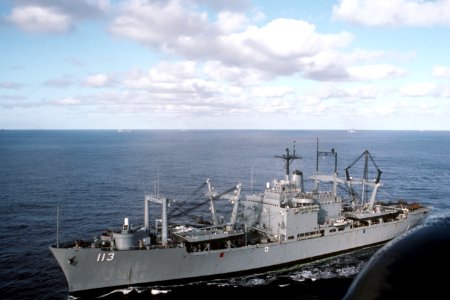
(281, 226)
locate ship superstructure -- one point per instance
(282, 225)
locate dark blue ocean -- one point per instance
(99, 177)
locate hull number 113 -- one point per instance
(105, 256)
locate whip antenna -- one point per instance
(57, 226)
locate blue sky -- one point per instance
(229, 64)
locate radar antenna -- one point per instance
(288, 159)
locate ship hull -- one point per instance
(88, 269)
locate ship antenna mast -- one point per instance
(325, 153)
(57, 226)
(251, 181)
(288, 159)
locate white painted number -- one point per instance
(105, 256)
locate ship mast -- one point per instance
(365, 180)
(325, 153)
(335, 174)
(288, 159)
(212, 199)
(57, 226)
(164, 228)
(213, 196)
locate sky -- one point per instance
(225, 64)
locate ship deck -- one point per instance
(371, 215)
(207, 236)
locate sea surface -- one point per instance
(97, 178)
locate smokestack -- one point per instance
(297, 179)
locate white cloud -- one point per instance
(10, 85)
(167, 71)
(375, 72)
(180, 84)
(234, 91)
(332, 91)
(67, 101)
(241, 76)
(445, 91)
(326, 65)
(289, 38)
(282, 47)
(383, 110)
(272, 91)
(229, 22)
(158, 24)
(49, 16)
(185, 89)
(40, 19)
(441, 71)
(393, 12)
(98, 80)
(311, 101)
(426, 89)
(315, 107)
(277, 48)
(420, 89)
(168, 104)
(363, 55)
(275, 106)
(163, 77)
(233, 49)
(227, 5)
(61, 82)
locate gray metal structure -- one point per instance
(283, 225)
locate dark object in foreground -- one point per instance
(413, 267)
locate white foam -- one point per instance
(156, 292)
